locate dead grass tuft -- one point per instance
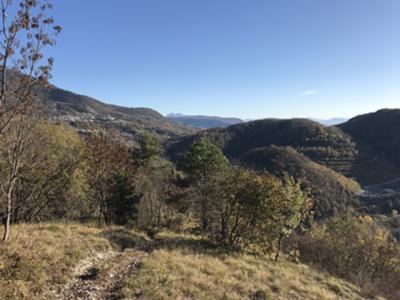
(43, 255)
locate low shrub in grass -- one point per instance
(356, 249)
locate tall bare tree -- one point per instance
(26, 29)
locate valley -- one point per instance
(241, 193)
(159, 210)
(340, 165)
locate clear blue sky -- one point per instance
(244, 58)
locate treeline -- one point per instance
(56, 174)
(49, 172)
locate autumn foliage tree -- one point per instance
(48, 171)
(39, 162)
(26, 29)
(107, 161)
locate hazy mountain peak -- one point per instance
(331, 121)
(203, 122)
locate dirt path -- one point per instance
(100, 276)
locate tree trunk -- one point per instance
(7, 220)
(278, 250)
(204, 207)
(204, 219)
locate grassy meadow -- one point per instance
(178, 266)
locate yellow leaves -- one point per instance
(356, 248)
(367, 219)
(377, 234)
(57, 136)
(2, 265)
(381, 235)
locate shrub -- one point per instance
(248, 208)
(356, 249)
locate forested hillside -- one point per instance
(87, 114)
(364, 148)
(318, 155)
(377, 138)
(325, 145)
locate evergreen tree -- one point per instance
(123, 201)
(149, 149)
(203, 162)
(204, 159)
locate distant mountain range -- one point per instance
(203, 122)
(208, 122)
(330, 122)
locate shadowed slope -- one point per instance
(332, 191)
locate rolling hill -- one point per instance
(86, 114)
(364, 148)
(325, 145)
(308, 151)
(377, 139)
(326, 159)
